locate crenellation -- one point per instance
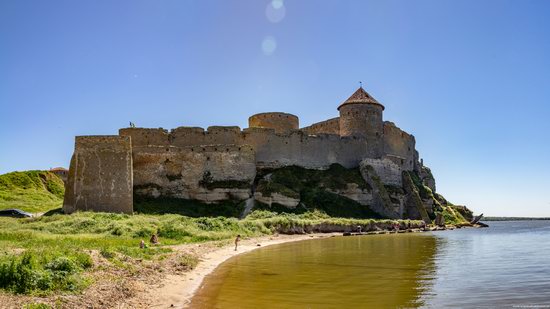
(146, 136)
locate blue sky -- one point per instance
(470, 79)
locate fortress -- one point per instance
(221, 163)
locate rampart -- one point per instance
(399, 146)
(331, 126)
(100, 175)
(271, 149)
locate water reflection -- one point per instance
(383, 271)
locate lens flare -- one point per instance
(275, 11)
(277, 4)
(269, 44)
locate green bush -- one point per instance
(33, 272)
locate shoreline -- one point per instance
(176, 291)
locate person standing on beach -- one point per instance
(237, 241)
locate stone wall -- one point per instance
(389, 172)
(298, 148)
(280, 122)
(207, 173)
(399, 146)
(331, 126)
(272, 149)
(100, 175)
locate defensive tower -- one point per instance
(361, 116)
(280, 122)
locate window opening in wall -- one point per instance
(207, 158)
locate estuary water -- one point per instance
(504, 266)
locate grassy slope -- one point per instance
(32, 191)
(50, 239)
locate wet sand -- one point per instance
(176, 291)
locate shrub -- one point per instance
(188, 261)
(61, 264)
(107, 253)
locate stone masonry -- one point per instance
(221, 162)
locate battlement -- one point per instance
(105, 142)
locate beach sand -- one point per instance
(176, 291)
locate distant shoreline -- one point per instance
(515, 218)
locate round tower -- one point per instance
(361, 116)
(280, 122)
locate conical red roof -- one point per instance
(361, 97)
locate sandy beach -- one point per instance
(176, 291)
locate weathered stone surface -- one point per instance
(280, 122)
(206, 173)
(277, 198)
(439, 220)
(427, 178)
(331, 126)
(100, 175)
(352, 191)
(388, 171)
(381, 202)
(414, 208)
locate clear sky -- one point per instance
(469, 78)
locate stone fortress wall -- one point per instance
(331, 126)
(280, 122)
(100, 175)
(221, 162)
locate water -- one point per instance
(504, 266)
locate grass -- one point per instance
(49, 254)
(31, 191)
